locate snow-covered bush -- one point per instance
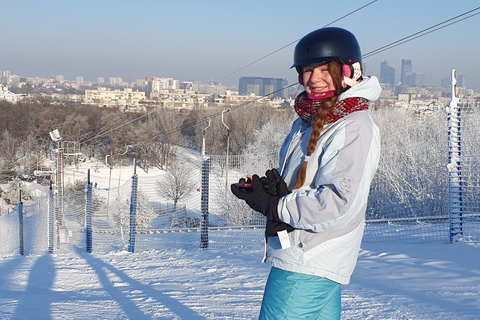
(411, 177)
(262, 153)
(11, 194)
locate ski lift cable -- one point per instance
(214, 115)
(397, 43)
(217, 114)
(393, 44)
(343, 17)
(369, 54)
(420, 33)
(293, 42)
(120, 126)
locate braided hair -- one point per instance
(319, 119)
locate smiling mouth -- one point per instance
(316, 89)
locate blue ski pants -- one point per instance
(289, 295)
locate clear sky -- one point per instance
(207, 40)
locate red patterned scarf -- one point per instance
(306, 108)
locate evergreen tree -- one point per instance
(7, 171)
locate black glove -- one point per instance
(258, 199)
(263, 197)
(275, 185)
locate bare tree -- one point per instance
(168, 124)
(142, 137)
(8, 146)
(74, 127)
(178, 183)
(117, 133)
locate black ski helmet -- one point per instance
(325, 45)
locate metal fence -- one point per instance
(427, 188)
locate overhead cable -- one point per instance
(421, 33)
(293, 42)
(411, 37)
(348, 14)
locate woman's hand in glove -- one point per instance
(257, 198)
(263, 197)
(274, 184)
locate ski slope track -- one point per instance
(176, 280)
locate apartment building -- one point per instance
(263, 86)
(124, 99)
(5, 94)
(155, 84)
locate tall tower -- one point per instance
(387, 74)
(407, 68)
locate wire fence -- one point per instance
(410, 200)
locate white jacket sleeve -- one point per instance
(338, 180)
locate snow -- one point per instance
(178, 280)
(172, 278)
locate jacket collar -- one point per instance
(369, 89)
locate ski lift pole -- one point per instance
(51, 220)
(109, 181)
(455, 196)
(228, 147)
(203, 138)
(204, 195)
(20, 221)
(88, 215)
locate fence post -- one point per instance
(20, 222)
(51, 220)
(133, 212)
(204, 203)
(88, 214)
(455, 199)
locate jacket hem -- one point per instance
(344, 280)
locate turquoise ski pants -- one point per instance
(289, 295)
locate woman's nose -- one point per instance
(316, 75)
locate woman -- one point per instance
(315, 204)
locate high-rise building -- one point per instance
(115, 81)
(59, 78)
(387, 74)
(79, 80)
(5, 77)
(406, 71)
(461, 81)
(417, 79)
(155, 84)
(263, 86)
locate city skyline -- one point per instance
(187, 40)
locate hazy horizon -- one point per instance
(203, 41)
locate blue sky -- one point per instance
(207, 40)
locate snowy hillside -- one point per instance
(176, 280)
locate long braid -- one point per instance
(319, 119)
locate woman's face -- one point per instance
(317, 78)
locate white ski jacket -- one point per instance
(328, 211)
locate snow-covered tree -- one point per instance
(7, 171)
(11, 195)
(144, 215)
(178, 183)
(411, 177)
(262, 153)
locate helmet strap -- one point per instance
(300, 78)
(319, 95)
(322, 95)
